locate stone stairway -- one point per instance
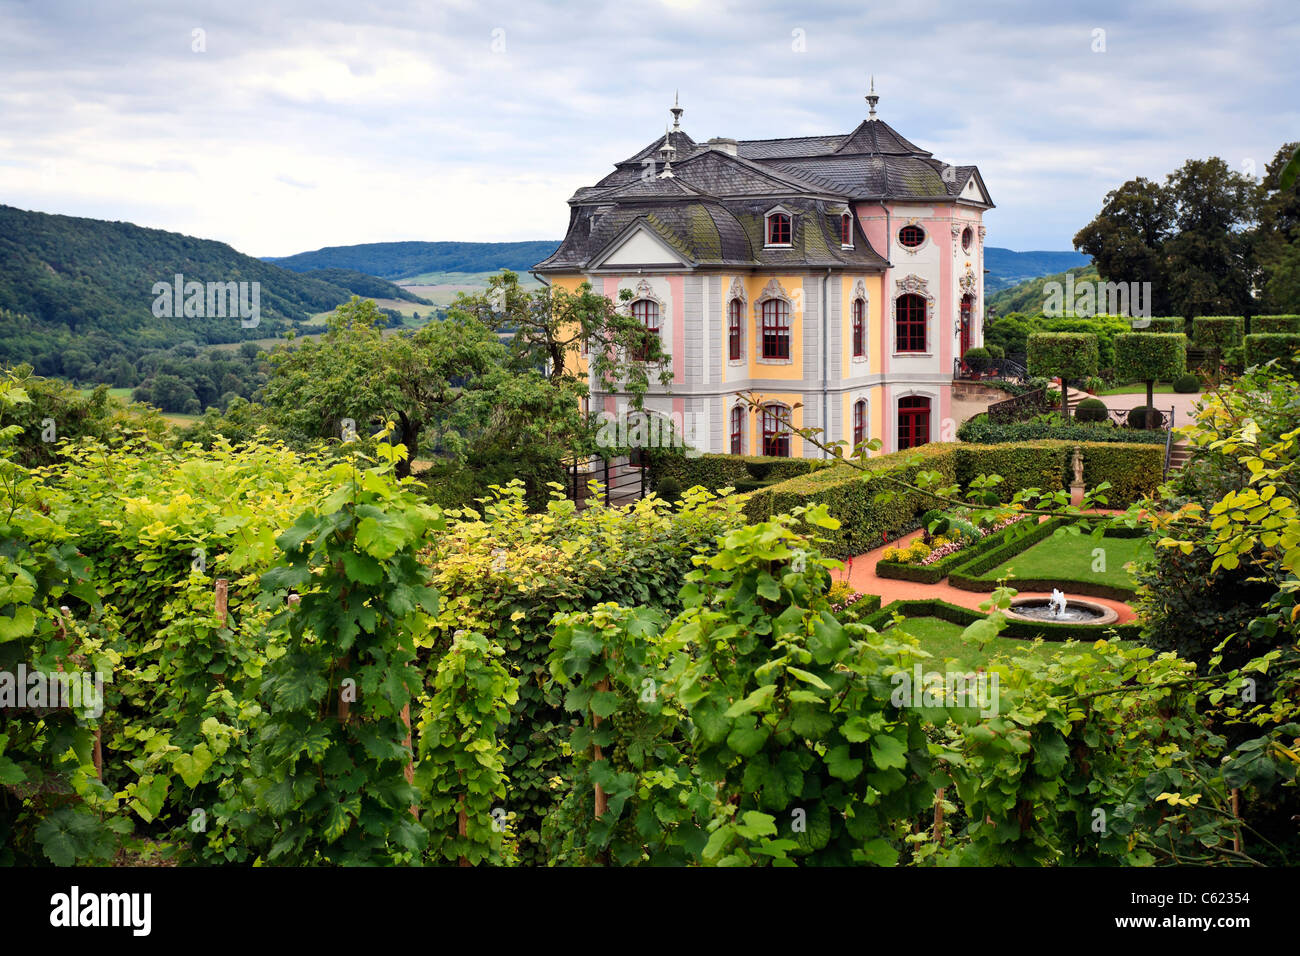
(1178, 455)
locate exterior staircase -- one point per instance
(1179, 453)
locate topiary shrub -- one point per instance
(1150, 357)
(1091, 410)
(996, 352)
(669, 489)
(1274, 324)
(1137, 417)
(1160, 325)
(1187, 384)
(978, 360)
(1064, 355)
(1219, 332)
(1262, 347)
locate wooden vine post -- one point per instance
(602, 799)
(223, 600)
(936, 833)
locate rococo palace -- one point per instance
(838, 276)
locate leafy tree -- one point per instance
(1150, 357)
(1279, 231)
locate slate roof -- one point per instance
(711, 211)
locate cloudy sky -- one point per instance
(285, 125)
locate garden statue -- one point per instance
(1078, 465)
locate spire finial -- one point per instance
(872, 98)
(677, 112)
(666, 152)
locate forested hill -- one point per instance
(1006, 267)
(404, 260)
(84, 288)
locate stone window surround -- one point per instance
(912, 284)
(773, 290)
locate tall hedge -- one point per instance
(981, 431)
(1218, 332)
(1261, 347)
(1161, 325)
(1274, 324)
(724, 471)
(1150, 357)
(1064, 354)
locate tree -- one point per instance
(1191, 238)
(1279, 231)
(357, 373)
(1069, 355)
(1150, 357)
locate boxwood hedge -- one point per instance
(1274, 324)
(931, 573)
(982, 431)
(725, 471)
(1261, 347)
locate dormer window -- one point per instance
(778, 229)
(846, 231)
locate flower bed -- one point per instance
(927, 564)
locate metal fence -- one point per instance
(620, 480)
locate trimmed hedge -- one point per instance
(1065, 355)
(864, 606)
(1134, 470)
(1261, 347)
(1150, 357)
(850, 495)
(932, 573)
(1163, 325)
(1220, 332)
(715, 472)
(1091, 410)
(969, 577)
(1023, 630)
(979, 430)
(1274, 324)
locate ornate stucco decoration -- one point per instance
(968, 282)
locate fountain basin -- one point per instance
(1040, 610)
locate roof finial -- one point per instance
(677, 112)
(872, 98)
(666, 152)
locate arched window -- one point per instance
(967, 236)
(738, 430)
(909, 323)
(735, 328)
(776, 329)
(776, 431)
(911, 236)
(647, 313)
(913, 421)
(859, 328)
(859, 422)
(778, 229)
(846, 230)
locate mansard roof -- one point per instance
(710, 210)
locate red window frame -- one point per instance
(778, 229)
(859, 328)
(738, 430)
(776, 431)
(911, 236)
(647, 313)
(859, 422)
(967, 311)
(909, 323)
(735, 327)
(913, 421)
(846, 230)
(776, 329)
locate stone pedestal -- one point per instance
(1076, 493)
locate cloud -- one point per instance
(305, 123)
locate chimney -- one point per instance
(724, 144)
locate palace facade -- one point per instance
(837, 276)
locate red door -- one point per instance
(913, 421)
(967, 306)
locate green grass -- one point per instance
(1069, 558)
(1137, 388)
(943, 639)
(121, 394)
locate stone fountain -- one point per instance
(1058, 609)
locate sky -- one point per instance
(282, 126)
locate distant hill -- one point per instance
(405, 260)
(76, 295)
(1029, 296)
(1007, 267)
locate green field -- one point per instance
(1137, 388)
(1069, 558)
(409, 311)
(441, 288)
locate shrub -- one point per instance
(979, 430)
(977, 359)
(716, 472)
(1150, 357)
(668, 488)
(1067, 355)
(1262, 347)
(996, 352)
(1187, 384)
(1160, 325)
(1137, 417)
(1133, 470)
(1274, 324)
(1091, 410)
(1219, 332)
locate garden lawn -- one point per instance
(1137, 388)
(943, 639)
(1069, 558)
